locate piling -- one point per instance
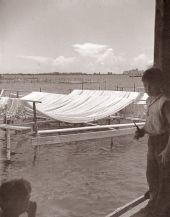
(35, 129)
(8, 144)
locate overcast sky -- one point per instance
(76, 35)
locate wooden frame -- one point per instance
(8, 129)
(55, 139)
(98, 127)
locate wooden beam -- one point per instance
(66, 130)
(14, 127)
(2, 91)
(135, 119)
(162, 36)
(116, 117)
(8, 145)
(35, 127)
(121, 210)
(46, 140)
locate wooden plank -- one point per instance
(129, 206)
(46, 140)
(116, 117)
(135, 119)
(8, 145)
(2, 91)
(136, 211)
(14, 127)
(89, 128)
(35, 128)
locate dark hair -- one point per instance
(14, 189)
(154, 75)
(15, 198)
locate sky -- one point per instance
(38, 36)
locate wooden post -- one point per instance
(162, 38)
(111, 144)
(82, 85)
(17, 94)
(134, 87)
(5, 122)
(5, 115)
(109, 120)
(34, 118)
(8, 145)
(122, 210)
(35, 129)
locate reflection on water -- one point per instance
(4, 165)
(81, 179)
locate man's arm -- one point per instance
(165, 154)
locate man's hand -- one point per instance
(139, 133)
(165, 156)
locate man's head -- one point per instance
(153, 80)
(15, 197)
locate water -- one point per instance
(80, 179)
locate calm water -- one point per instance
(81, 179)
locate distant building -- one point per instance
(133, 72)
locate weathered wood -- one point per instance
(91, 124)
(46, 140)
(14, 127)
(8, 145)
(159, 23)
(66, 130)
(34, 118)
(129, 206)
(2, 91)
(116, 117)
(8, 128)
(162, 36)
(135, 119)
(35, 129)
